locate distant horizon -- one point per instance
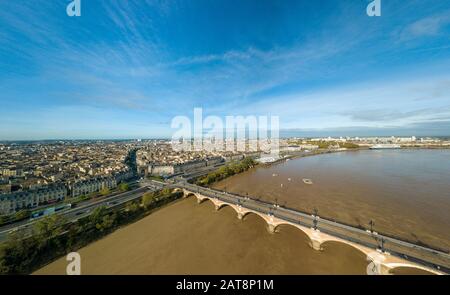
(167, 138)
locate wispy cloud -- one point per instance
(376, 103)
(341, 69)
(427, 26)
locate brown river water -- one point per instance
(405, 192)
(187, 238)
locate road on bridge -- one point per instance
(432, 258)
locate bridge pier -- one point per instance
(376, 264)
(378, 269)
(316, 240)
(379, 262)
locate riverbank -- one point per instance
(187, 238)
(301, 154)
(53, 237)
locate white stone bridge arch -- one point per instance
(379, 263)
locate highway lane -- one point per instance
(133, 184)
(88, 207)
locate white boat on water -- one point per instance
(307, 181)
(385, 146)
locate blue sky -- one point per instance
(124, 69)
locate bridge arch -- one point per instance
(221, 205)
(202, 200)
(240, 211)
(188, 194)
(302, 230)
(268, 219)
(354, 246)
(394, 267)
(248, 212)
(379, 263)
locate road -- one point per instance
(87, 207)
(416, 253)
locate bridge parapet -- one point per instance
(379, 262)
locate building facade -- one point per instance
(13, 202)
(16, 201)
(89, 186)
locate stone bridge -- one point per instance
(379, 260)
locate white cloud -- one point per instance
(428, 26)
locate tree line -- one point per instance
(52, 236)
(226, 171)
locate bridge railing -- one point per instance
(404, 249)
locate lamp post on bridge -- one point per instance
(381, 245)
(371, 224)
(315, 220)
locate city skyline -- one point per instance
(125, 69)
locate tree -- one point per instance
(4, 219)
(97, 215)
(83, 198)
(72, 234)
(165, 192)
(16, 253)
(101, 219)
(248, 162)
(350, 145)
(105, 191)
(49, 226)
(124, 187)
(22, 214)
(47, 231)
(148, 199)
(132, 207)
(225, 171)
(107, 221)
